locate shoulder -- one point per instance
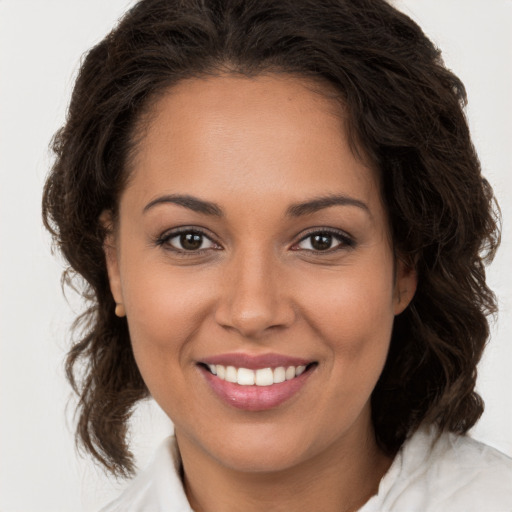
(446, 472)
(156, 489)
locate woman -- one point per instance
(282, 223)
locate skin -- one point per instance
(255, 147)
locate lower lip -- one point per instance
(255, 398)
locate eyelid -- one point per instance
(346, 240)
(163, 239)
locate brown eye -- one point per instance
(188, 241)
(323, 241)
(191, 241)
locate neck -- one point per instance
(340, 479)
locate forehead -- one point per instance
(273, 134)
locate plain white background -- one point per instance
(41, 42)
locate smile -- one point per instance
(261, 377)
(256, 383)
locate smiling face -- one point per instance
(249, 236)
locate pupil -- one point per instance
(191, 241)
(321, 242)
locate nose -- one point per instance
(254, 296)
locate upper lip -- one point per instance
(255, 362)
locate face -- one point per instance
(253, 245)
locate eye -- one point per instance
(323, 241)
(187, 241)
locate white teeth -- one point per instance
(231, 374)
(261, 377)
(264, 377)
(221, 371)
(299, 370)
(245, 377)
(279, 375)
(290, 373)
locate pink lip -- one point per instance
(255, 362)
(255, 398)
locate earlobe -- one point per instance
(120, 311)
(112, 259)
(405, 287)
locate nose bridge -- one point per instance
(253, 296)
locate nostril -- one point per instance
(252, 323)
(255, 316)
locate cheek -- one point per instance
(163, 310)
(163, 315)
(354, 314)
(163, 304)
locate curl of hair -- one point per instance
(405, 114)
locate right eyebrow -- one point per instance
(319, 203)
(192, 203)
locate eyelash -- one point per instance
(345, 241)
(165, 239)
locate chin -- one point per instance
(253, 458)
(266, 448)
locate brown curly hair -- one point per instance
(405, 113)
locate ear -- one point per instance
(406, 282)
(111, 255)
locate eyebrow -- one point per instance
(190, 202)
(295, 210)
(319, 203)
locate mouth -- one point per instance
(256, 384)
(257, 377)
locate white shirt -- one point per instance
(449, 473)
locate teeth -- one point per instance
(245, 377)
(261, 377)
(279, 375)
(221, 371)
(290, 373)
(264, 377)
(231, 374)
(299, 370)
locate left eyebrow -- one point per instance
(319, 203)
(192, 203)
